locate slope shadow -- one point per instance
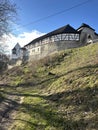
(84, 100)
(88, 68)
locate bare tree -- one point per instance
(7, 15)
(4, 48)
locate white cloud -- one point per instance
(23, 38)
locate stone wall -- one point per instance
(46, 49)
(61, 39)
(84, 36)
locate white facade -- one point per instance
(60, 39)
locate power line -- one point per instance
(52, 15)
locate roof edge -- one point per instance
(55, 32)
(85, 25)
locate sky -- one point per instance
(38, 17)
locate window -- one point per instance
(89, 39)
(38, 49)
(33, 50)
(14, 51)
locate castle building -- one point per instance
(60, 39)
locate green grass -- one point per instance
(67, 99)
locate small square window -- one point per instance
(33, 50)
(38, 49)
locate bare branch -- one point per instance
(7, 14)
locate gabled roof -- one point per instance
(16, 46)
(83, 26)
(96, 33)
(23, 48)
(64, 29)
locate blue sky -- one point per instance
(29, 11)
(33, 10)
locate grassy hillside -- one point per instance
(59, 92)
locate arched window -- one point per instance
(89, 39)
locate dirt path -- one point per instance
(8, 110)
